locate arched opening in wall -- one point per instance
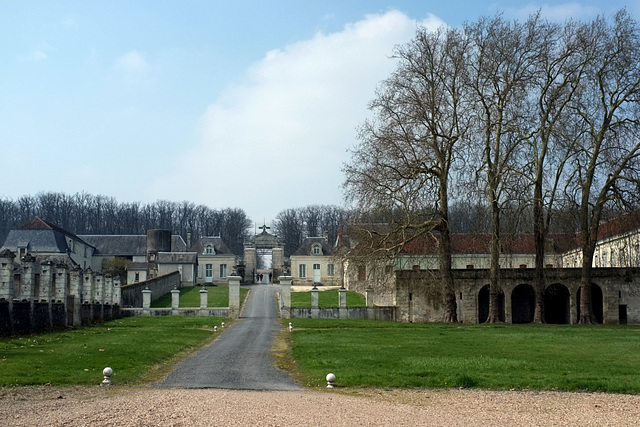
(523, 304)
(483, 304)
(556, 304)
(596, 302)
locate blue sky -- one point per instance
(248, 104)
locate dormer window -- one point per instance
(208, 249)
(316, 250)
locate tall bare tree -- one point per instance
(605, 131)
(403, 163)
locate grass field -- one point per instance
(326, 299)
(543, 357)
(218, 296)
(139, 349)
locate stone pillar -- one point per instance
(285, 296)
(315, 311)
(117, 291)
(175, 301)
(46, 279)
(6, 275)
(204, 296)
(146, 302)
(87, 286)
(28, 278)
(62, 277)
(249, 264)
(277, 262)
(342, 303)
(75, 290)
(368, 294)
(234, 296)
(98, 290)
(108, 289)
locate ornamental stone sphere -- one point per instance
(330, 380)
(107, 372)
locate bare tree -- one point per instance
(503, 66)
(605, 131)
(402, 165)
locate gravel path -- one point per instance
(240, 358)
(123, 406)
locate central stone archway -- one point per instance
(257, 250)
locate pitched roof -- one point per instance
(307, 244)
(39, 235)
(220, 247)
(128, 245)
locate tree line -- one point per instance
(83, 213)
(531, 116)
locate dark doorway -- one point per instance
(483, 304)
(556, 304)
(596, 302)
(622, 314)
(523, 304)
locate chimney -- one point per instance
(326, 236)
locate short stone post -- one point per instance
(27, 281)
(204, 296)
(60, 291)
(146, 302)
(234, 296)
(87, 286)
(368, 294)
(342, 303)
(175, 301)
(46, 279)
(117, 291)
(315, 311)
(285, 296)
(75, 290)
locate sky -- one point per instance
(229, 104)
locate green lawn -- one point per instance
(139, 349)
(326, 299)
(218, 296)
(545, 357)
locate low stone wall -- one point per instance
(132, 293)
(362, 313)
(214, 311)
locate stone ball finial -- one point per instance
(107, 372)
(331, 378)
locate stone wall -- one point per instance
(37, 295)
(132, 293)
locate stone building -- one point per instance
(216, 262)
(314, 264)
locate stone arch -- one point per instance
(557, 304)
(523, 304)
(596, 302)
(483, 304)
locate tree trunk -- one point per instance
(495, 315)
(450, 311)
(539, 236)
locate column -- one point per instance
(285, 296)
(315, 311)
(234, 296)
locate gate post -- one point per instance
(234, 296)
(285, 296)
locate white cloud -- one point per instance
(278, 140)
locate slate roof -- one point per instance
(39, 235)
(220, 247)
(305, 248)
(127, 245)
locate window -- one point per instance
(330, 270)
(302, 270)
(137, 279)
(208, 249)
(208, 270)
(362, 273)
(223, 270)
(316, 249)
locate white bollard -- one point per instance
(107, 372)
(215, 329)
(331, 378)
(290, 326)
(222, 325)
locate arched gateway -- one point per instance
(263, 253)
